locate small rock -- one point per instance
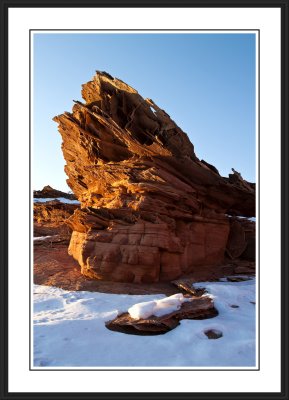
(234, 306)
(213, 334)
(238, 278)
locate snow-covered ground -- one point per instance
(61, 199)
(69, 331)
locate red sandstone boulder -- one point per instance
(150, 209)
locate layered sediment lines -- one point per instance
(150, 209)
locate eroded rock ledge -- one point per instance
(150, 209)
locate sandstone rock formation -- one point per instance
(49, 192)
(241, 241)
(49, 218)
(150, 209)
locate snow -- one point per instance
(250, 219)
(253, 219)
(142, 310)
(42, 237)
(158, 307)
(69, 331)
(61, 199)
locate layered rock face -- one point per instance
(241, 241)
(150, 209)
(49, 218)
(52, 212)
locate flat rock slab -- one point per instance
(197, 308)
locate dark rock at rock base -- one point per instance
(247, 270)
(228, 270)
(250, 251)
(238, 278)
(241, 240)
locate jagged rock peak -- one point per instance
(150, 209)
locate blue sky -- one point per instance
(205, 82)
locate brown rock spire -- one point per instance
(151, 210)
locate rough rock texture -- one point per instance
(197, 308)
(49, 192)
(54, 267)
(50, 217)
(150, 209)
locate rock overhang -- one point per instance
(150, 209)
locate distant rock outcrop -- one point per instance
(49, 192)
(150, 209)
(50, 217)
(53, 212)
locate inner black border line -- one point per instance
(31, 267)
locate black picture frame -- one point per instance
(4, 200)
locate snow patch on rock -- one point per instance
(157, 308)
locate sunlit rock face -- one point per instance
(150, 209)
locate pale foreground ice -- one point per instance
(69, 331)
